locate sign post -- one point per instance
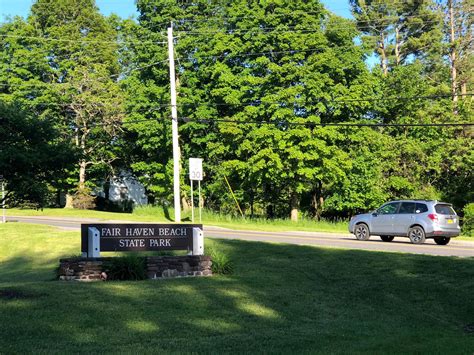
(195, 173)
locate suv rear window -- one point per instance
(421, 208)
(444, 209)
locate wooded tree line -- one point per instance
(281, 97)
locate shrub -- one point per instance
(130, 267)
(221, 264)
(123, 206)
(468, 221)
(83, 200)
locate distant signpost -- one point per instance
(195, 174)
(195, 169)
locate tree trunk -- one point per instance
(295, 204)
(397, 46)
(185, 203)
(270, 212)
(317, 201)
(251, 204)
(452, 53)
(383, 54)
(82, 174)
(69, 199)
(464, 90)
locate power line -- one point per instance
(253, 31)
(287, 29)
(190, 58)
(283, 124)
(333, 99)
(250, 54)
(263, 103)
(311, 124)
(139, 68)
(47, 39)
(100, 78)
(403, 98)
(291, 15)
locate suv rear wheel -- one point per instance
(417, 235)
(387, 238)
(442, 240)
(361, 232)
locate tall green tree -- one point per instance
(146, 146)
(63, 63)
(398, 30)
(32, 156)
(460, 39)
(255, 81)
(82, 47)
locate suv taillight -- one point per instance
(433, 217)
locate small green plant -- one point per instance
(468, 221)
(83, 200)
(221, 264)
(130, 267)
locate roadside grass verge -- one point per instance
(163, 215)
(280, 298)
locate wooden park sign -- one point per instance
(99, 237)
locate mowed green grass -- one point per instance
(160, 215)
(280, 299)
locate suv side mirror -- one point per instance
(375, 214)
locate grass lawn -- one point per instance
(158, 214)
(281, 298)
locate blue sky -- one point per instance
(126, 8)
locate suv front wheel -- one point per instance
(417, 235)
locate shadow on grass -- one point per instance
(27, 269)
(281, 298)
(166, 213)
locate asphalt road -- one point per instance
(332, 240)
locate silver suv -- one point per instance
(415, 219)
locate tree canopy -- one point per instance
(276, 96)
(31, 155)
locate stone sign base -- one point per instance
(157, 267)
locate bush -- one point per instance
(468, 220)
(83, 200)
(130, 267)
(221, 263)
(123, 206)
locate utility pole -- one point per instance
(452, 53)
(174, 117)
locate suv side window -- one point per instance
(389, 208)
(407, 207)
(421, 208)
